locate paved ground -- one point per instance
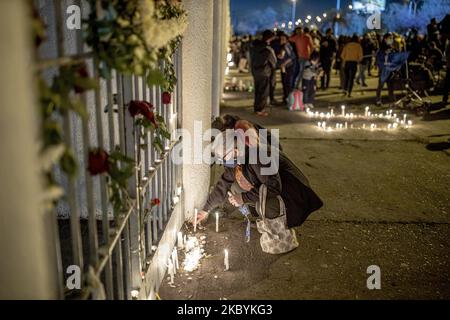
(387, 203)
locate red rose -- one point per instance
(155, 202)
(81, 72)
(166, 97)
(150, 116)
(98, 162)
(139, 107)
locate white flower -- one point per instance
(51, 155)
(158, 32)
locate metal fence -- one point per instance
(115, 248)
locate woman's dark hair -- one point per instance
(225, 122)
(355, 38)
(267, 34)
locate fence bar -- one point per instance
(75, 230)
(126, 233)
(128, 122)
(103, 192)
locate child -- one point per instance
(310, 75)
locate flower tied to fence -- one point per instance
(118, 168)
(166, 97)
(149, 120)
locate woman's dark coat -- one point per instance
(289, 182)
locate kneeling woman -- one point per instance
(242, 180)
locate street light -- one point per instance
(350, 6)
(294, 3)
(309, 17)
(324, 15)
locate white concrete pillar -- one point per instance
(28, 268)
(196, 96)
(217, 57)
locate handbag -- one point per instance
(275, 238)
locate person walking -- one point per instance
(351, 55)
(310, 74)
(386, 48)
(263, 66)
(304, 45)
(286, 60)
(368, 50)
(327, 52)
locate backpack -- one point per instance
(295, 101)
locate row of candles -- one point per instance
(350, 116)
(367, 114)
(193, 251)
(226, 255)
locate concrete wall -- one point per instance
(197, 96)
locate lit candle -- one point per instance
(319, 124)
(366, 113)
(180, 240)
(322, 115)
(332, 112)
(328, 115)
(307, 110)
(217, 221)
(364, 125)
(404, 118)
(395, 125)
(170, 270)
(409, 123)
(346, 126)
(226, 260)
(316, 114)
(175, 260)
(337, 125)
(343, 110)
(389, 126)
(195, 220)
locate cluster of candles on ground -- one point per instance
(396, 120)
(193, 251)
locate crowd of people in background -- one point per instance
(306, 59)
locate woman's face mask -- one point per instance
(232, 163)
(230, 160)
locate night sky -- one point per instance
(250, 16)
(257, 14)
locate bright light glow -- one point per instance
(229, 57)
(324, 15)
(318, 19)
(309, 17)
(306, 21)
(134, 294)
(193, 254)
(283, 25)
(227, 70)
(350, 6)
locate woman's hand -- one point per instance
(201, 215)
(235, 200)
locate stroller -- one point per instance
(416, 81)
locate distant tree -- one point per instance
(399, 18)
